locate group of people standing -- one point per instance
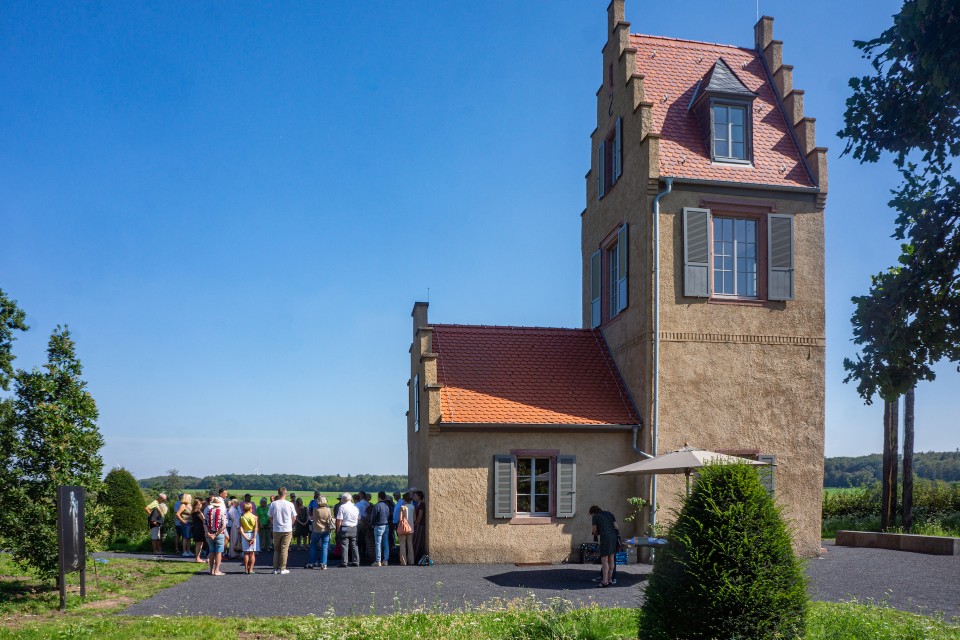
(221, 526)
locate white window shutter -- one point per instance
(566, 486)
(767, 472)
(601, 151)
(618, 151)
(622, 268)
(696, 252)
(779, 256)
(503, 486)
(596, 278)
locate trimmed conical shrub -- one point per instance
(123, 496)
(729, 570)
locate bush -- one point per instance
(126, 503)
(729, 570)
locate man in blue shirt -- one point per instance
(380, 520)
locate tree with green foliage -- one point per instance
(122, 495)
(12, 318)
(729, 570)
(54, 441)
(910, 107)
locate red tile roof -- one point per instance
(671, 70)
(528, 375)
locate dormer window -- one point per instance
(730, 132)
(722, 105)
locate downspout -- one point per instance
(656, 342)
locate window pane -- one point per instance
(543, 487)
(722, 149)
(543, 466)
(751, 289)
(738, 151)
(728, 281)
(523, 504)
(751, 230)
(736, 116)
(523, 486)
(720, 115)
(543, 504)
(741, 230)
(736, 133)
(728, 228)
(718, 282)
(728, 264)
(750, 250)
(741, 283)
(523, 466)
(717, 229)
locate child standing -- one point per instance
(249, 528)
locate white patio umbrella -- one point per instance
(683, 461)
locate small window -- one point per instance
(534, 484)
(610, 159)
(735, 254)
(416, 402)
(730, 132)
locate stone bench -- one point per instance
(934, 545)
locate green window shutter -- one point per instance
(566, 486)
(779, 256)
(622, 268)
(767, 472)
(618, 151)
(696, 252)
(503, 486)
(596, 279)
(601, 151)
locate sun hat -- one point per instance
(322, 501)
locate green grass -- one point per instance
(28, 612)
(836, 490)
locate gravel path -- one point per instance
(907, 581)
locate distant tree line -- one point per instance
(861, 470)
(269, 482)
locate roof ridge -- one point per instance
(688, 41)
(509, 327)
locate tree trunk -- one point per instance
(888, 495)
(908, 461)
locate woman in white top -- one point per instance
(233, 527)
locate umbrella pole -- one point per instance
(687, 473)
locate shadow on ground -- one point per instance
(559, 579)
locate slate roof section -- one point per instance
(721, 79)
(671, 70)
(528, 375)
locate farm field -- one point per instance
(332, 496)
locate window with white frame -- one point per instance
(534, 483)
(730, 132)
(735, 251)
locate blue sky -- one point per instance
(234, 206)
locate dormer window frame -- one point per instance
(747, 106)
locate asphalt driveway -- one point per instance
(906, 581)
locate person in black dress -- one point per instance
(605, 528)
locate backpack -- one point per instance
(426, 561)
(155, 519)
(214, 520)
(403, 525)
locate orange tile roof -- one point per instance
(671, 70)
(528, 375)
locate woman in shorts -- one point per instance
(184, 522)
(215, 528)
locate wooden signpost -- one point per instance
(71, 539)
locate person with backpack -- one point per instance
(405, 530)
(215, 528)
(323, 524)
(156, 510)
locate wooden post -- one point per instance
(908, 461)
